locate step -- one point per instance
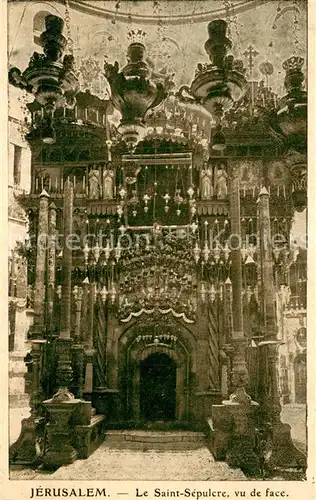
(154, 440)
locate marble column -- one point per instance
(89, 351)
(77, 347)
(51, 260)
(240, 406)
(280, 451)
(64, 369)
(233, 433)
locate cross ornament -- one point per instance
(250, 54)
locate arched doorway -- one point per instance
(158, 378)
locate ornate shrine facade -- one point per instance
(156, 250)
(151, 260)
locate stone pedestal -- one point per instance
(60, 449)
(29, 447)
(241, 446)
(232, 434)
(279, 452)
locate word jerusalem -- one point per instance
(67, 492)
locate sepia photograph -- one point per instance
(157, 246)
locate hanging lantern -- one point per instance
(86, 252)
(196, 252)
(122, 192)
(96, 252)
(190, 192)
(219, 84)
(166, 197)
(226, 252)
(146, 199)
(48, 77)
(206, 252)
(104, 294)
(119, 210)
(216, 253)
(291, 119)
(113, 294)
(134, 91)
(203, 291)
(118, 251)
(212, 293)
(107, 251)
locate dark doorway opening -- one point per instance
(158, 388)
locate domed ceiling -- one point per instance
(174, 33)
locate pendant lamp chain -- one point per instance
(70, 42)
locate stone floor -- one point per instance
(114, 465)
(193, 465)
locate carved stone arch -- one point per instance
(186, 332)
(141, 340)
(177, 356)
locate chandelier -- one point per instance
(48, 77)
(134, 91)
(218, 85)
(291, 116)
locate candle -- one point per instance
(244, 191)
(76, 112)
(278, 190)
(86, 114)
(284, 194)
(84, 183)
(97, 116)
(36, 184)
(56, 183)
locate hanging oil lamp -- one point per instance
(49, 77)
(134, 91)
(219, 84)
